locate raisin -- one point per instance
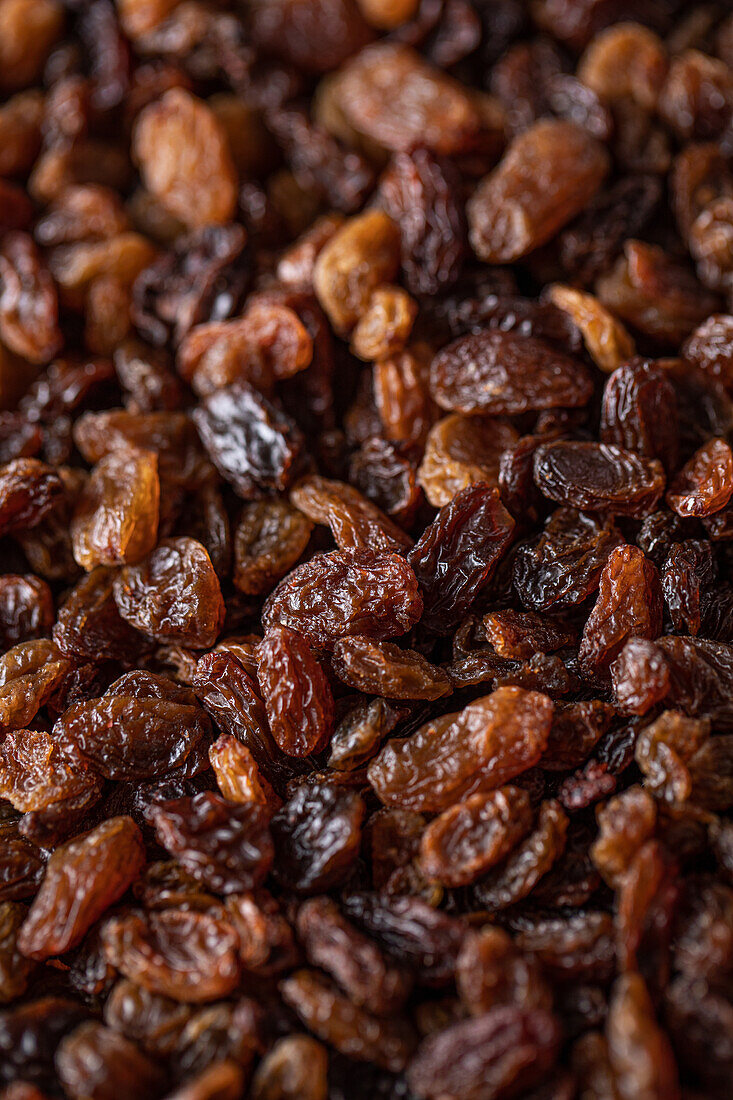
(576, 945)
(589, 244)
(186, 955)
(387, 1041)
(82, 880)
(705, 483)
(356, 523)
(388, 670)
(491, 971)
(418, 192)
(296, 692)
(640, 676)
(255, 446)
(461, 451)
(564, 565)
(26, 609)
(521, 634)
(14, 967)
(359, 734)
(317, 835)
(639, 1052)
(508, 1049)
(386, 473)
(28, 491)
(515, 877)
(185, 160)
(477, 749)
(470, 837)
(629, 604)
(426, 939)
(625, 823)
(124, 736)
(576, 729)
(96, 1061)
(315, 37)
(29, 673)
(655, 293)
(344, 593)
(545, 178)
(599, 476)
(226, 847)
(35, 773)
(202, 278)
(29, 1037)
(173, 595)
(353, 960)
(710, 348)
(389, 94)
(504, 372)
(606, 340)
(267, 343)
(116, 514)
(294, 1069)
(88, 624)
(458, 553)
(28, 301)
(362, 254)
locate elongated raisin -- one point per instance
(82, 880)
(545, 178)
(458, 553)
(388, 670)
(629, 604)
(296, 692)
(504, 372)
(344, 593)
(467, 839)
(486, 744)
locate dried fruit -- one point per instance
(462, 451)
(362, 255)
(389, 94)
(607, 341)
(356, 523)
(546, 177)
(352, 959)
(508, 1049)
(599, 477)
(629, 604)
(252, 443)
(465, 840)
(352, 1030)
(186, 955)
(82, 879)
(704, 484)
(504, 372)
(268, 540)
(477, 749)
(344, 593)
(513, 879)
(116, 515)
(458, 553)
(296, 692)
(173, 594)
(226, 847)
(185, 160)
(317, 835)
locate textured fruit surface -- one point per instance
(366, 550)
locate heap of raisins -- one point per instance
(366, 536)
